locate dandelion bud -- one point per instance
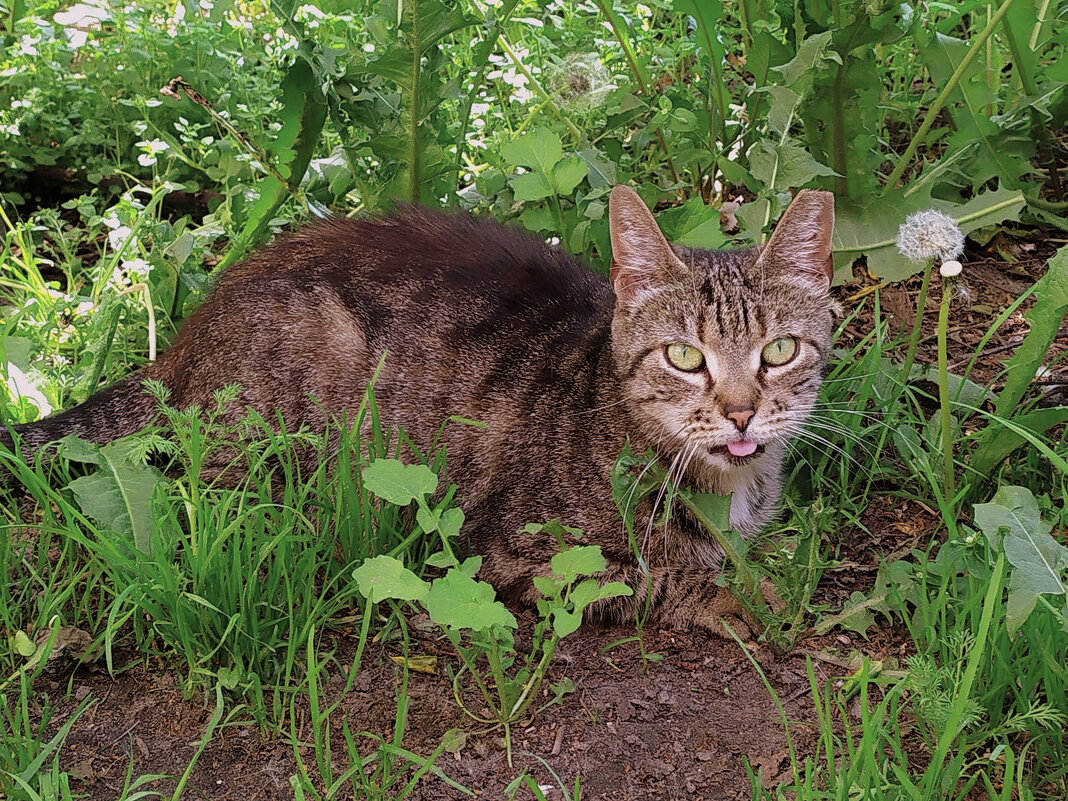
(928, 235)
(950, 269)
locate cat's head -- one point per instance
(721, 353)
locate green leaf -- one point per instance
(399, 483)
(614, 589)
(584, 594)
(548, 586)
(441, 559)
(694, 224)
(118, 495)
(601, 170)
(428, 519)
(780, 167)
(1043, 320)
(531, 186)
(582, 560)
(997, 442)
(539, 150)
(568, 174)
(1038, 560)
(460, 602)
(451, 522)
(382, 577)
(565, 622)
(23, 645)
(716, 508)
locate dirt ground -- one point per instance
(683, 727)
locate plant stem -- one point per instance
(415, 152)
(974, 49)
(917, 323)
(943, 393)
(537, 87)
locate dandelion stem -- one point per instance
(943, 392)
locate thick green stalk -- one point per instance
(943, 97)
(943, 394)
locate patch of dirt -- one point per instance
(683, 727)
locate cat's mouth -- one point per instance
(739, 452)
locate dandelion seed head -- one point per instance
(580, 81)
(930, 234)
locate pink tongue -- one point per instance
(742, 447)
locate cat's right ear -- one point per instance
(642, 259)
(801, 242)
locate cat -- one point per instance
(712, 359)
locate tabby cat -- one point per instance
(713, 359)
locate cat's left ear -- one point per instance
(801, 243)
(642, 259)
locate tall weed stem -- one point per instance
(943, 393)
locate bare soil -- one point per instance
(684, 727)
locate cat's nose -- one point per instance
(740, 415)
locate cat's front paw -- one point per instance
(716, 611)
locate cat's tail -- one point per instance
(121, 409)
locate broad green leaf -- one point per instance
(460, 602)
(716, 508)
(23, 645)
(567, 174)
(531, 186)
(118, 495)
(382, 577)
(539, 150)
(441, 559)
(451, 521)
(601, 170)
(694, 224)
(584, 594)
(1038, 560)
(428, 519)
(399, 483)
(582, 560)
(565, 622)
(781, 167)
(615, 589)
(548, 586)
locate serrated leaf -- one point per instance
(460, 602)
(783, 166)
(856, 616)
(118, 495)
(694, 224)
(567, 174)
(582, 560)
(716, 508)
(399, 483)
(602, 171)
(382, 577)
(1038, 560)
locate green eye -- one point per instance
(685, 357)
(779, 351)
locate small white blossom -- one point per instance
(138, 267)
(928, 235)
(120, 236)
(152, 148)
(950, 269)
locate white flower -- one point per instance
(928, 235)
(152, 148)
(138, 267)
(950, 269)
(120, 236)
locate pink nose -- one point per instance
(740, 415)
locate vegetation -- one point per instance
(145, 147)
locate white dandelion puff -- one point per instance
(928, 235)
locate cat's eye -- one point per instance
(685, 357)
(779, 351)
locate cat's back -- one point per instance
(421, 260)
